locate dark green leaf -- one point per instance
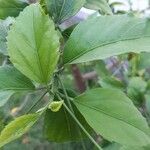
(11, 79)
(17, 128)
(35, 49)
(63, 9)
(93, 39)
(60, 127)
(110, 113)
(113, 146)
(11, 7)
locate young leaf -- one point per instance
(17, 128)
(60, 127)
(12, 80)
(110, 113)
(55, 106)
(11, 7)
(99, 5)
(34, 50)
(63, 9)
(93, 39)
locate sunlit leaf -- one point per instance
(34, 50)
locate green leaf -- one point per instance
(3, 34)
(135, 148)
(11, 79)
(101, 5)
(63, 9)
(4, 27)
(17, 128)
(35, 49)
(60, 127)
(113, 146)
(110, 113)
(55, 106)
(138, 84)
(144, 61)
(5, 96)
(147, 102)
(112, 82)
(101, 69)
(93, 39)
(11, 7)
(136, 89)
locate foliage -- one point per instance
(106, 55)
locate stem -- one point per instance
(36, 102)
(71, 112)
(79, 81)
(65, 92)
(70, 106)
(80, 125)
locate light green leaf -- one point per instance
(11, 7)
(63, 9)
(12, 80)
(55, 106)
(110, 113)
(101, 5)
(93, 39)
(5, 96)
(60, 127)
(17, 128)
(35, 49)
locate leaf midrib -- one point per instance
(37, 51)
(104, 44)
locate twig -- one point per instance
(37, 102)
(79, 81)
